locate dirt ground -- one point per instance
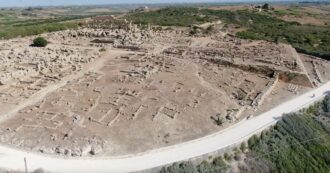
(114, 92)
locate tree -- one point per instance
(326, 106)
(265, 6)
(40, 42)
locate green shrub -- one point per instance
(40, 42)
(243, 147)
(193, 32)
(326, 104)
(238, 156)
(103, 50)
(265, 6)
(252, 141)
(184, 167)
(228, 157)
(217, 165)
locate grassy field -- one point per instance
(33, 21)
(309, 39)
(13, 25)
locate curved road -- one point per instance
(14, 159)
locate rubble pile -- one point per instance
(18, 64)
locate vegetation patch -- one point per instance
(40, 42)
(300, 142)
(170, 16)
(11, 26)
(309, 39)
(14, 31)
(103, 49)
(217, 165)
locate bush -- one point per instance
(252, 141)
(265, 6)
(228, 157)
(40, 42)
(103, 50)
(238, 156)
(218, 165)
(326, 104)
(193, 32)
(205, 167)
(184, 167)
(243, 147)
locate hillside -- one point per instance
(247, 24)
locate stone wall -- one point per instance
(295, 78)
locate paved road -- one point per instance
(13, 159)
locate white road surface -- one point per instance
(14, 159)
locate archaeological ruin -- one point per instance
(146, 89)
